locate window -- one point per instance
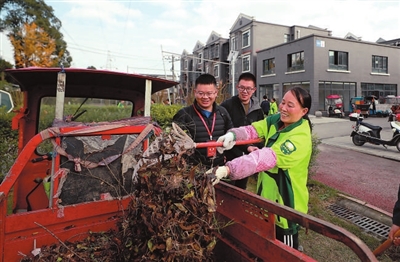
(246, 63)
(286, 38)
(379, 64)
(375, 88)
(296, 62)
(186, 64)
(246, 39)
(211, 50)
(269, 66)
(216, 71)
(233, 43)
(200, 61)
(214, 51)
(338, 60)
(346, 90)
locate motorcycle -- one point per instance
(366, 133)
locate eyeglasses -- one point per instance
(244, 88)
(205, 94)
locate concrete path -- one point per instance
(389, 152)
(368, 173)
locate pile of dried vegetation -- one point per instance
(171, 217)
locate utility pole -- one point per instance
(173, 78)
(172, 59)
(109, 61)
(162, 54)
(235, 53)
(232, 61)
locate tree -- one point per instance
(3, 66)
(20, 12)
(33, 47)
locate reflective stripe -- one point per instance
(288, 240)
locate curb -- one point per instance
(359, 149)
(366, 209)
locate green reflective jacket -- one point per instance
(286, 183)
(273, 108)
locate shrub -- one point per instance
(163, 114)
(8, 142)
(313, 161)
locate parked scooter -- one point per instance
(367, 133)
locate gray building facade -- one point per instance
(327, 65)
(248, 35)
(284, 56)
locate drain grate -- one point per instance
(369, 225)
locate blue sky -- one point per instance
(129, 36)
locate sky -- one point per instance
(142, 36)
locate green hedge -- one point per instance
(163, 114)
(8, 142)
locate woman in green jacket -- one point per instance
(273, 108)
(283, 162)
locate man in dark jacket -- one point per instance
(205, 121)
(265, 105)
(244, 109)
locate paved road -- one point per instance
(336, 132)
(369, 173)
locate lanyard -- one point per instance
(204, 122)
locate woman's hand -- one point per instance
(252, 148)
(220, 172)
(393, 230)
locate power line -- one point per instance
(179, 56)
(105, 52)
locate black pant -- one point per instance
(289, 240)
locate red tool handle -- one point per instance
(219, 144)
(385, 245)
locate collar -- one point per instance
(290, 127)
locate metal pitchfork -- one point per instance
(188, 143)
(182, 143)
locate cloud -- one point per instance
(131, 34)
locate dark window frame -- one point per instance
(246, 63)
(246, 39)
(338, 60)
(295, 61)
(269, 66)
(380, 64)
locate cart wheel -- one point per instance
(358, 140)
(398, 144)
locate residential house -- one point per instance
(216, 53)
(191, 66)
(283, 56)
(248, 35)
(327, 65)
(209, 58)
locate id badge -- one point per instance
(211, 150)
